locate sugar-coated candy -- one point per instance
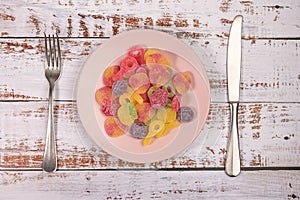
(138, 53)
(166, 115)
(137, 98)
(158, 75)
(112, 127)
(126, 114)
(138, 80)
(158, 59)
(104, 96)
(175, 105)
(138, 130)
(128, 63)
(170, 87)
(168, 127)
(119, 87)
(187, 76)
(142, 69)
(151, 90)
(155, 127)
(145, 112)
(132, 110)
(115, 106)
(106, 110)
(108, 75)
(147, 141)
(149, 52)
(185, 114)
(124, 98)
(159, 98)
(181, 84)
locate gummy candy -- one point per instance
(175, 105)
(119, 87)
(138, 53)
(158, 75)
(166, 115)
(157, 59)
(128, 63)
(185, 114)
(115, 106)
(138, 80)
(138, 130)
(126, 114)
(112, 128)
(108, 75)
(132, 111)
(145, 112)
(181, 83)
(104, 96)
(159, 98)
(149, 52)
(168, 127)
(137, 97)
(155, 127)
(141, 69)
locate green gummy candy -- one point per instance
(132, 110)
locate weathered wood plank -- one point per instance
(192, 19)
(270, 69)
(269, 135)
(150, 185)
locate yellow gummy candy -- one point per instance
(155, 127)
(161, 114)
(147, 141)
(125, 98)
(149, 52)
(138, 98)
(166, 115)
(171, 115)
(168, 127)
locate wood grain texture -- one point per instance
(269, 136)
(189, 18)
(150, 185)
(270, 71)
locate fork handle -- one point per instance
(233, 160)
(50, 157)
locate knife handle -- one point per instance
(233, 160)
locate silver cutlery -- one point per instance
(233, 161)
(52, 73)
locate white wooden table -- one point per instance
(268, 116)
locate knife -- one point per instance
(233, 161)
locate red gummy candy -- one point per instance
(175, 103)
(128, 63)
(106, 110)
(138, 53)
(159, 98)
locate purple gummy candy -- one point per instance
(138, 130)
(185, 114)
(115, 106)
(119, 87)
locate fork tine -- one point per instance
(58, 52)
(46, 51)
(54, 53)
(51, 53)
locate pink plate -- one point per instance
(126, 147)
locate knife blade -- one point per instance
(233, 161)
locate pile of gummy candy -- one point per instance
(141, 96)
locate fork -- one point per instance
(52, 73)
